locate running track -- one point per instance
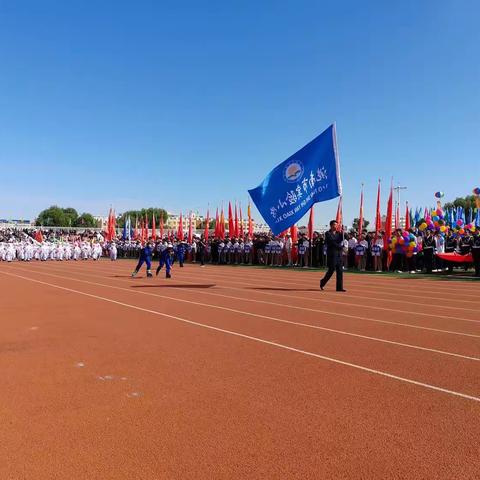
(228, 373)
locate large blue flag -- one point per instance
(311, 175)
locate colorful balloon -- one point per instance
(439, 194)
(476, 191)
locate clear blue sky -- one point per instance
(181, 104)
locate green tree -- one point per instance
(71, 216)
(56, 216)
(140, 214)
(356, 222)
(86, 220)
(53, 216)
(459, 202)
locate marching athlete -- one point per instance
(166, 258)
(145, 257)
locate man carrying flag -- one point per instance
(334, 241)
(290, 190)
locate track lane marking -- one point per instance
(275, 319)
(256, 339)
(345, 315)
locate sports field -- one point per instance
(229, 373)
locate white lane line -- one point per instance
(353, 280)
(255, 339)
(356, 317)
(275, 319)
(363, 297)
(305, 280)
(323, 299)
(460, 292)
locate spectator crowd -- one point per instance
(363, 252)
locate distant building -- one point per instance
(173, 221)
(101, 220)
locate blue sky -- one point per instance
(185, 104)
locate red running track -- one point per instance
(227, 372)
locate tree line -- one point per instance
(56, 216)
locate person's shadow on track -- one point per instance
(173, 286)
(282, 289)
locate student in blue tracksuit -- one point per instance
(181, 248)
(145, 257)
(166, 258)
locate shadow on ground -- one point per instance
(281, 289)
(208, 285)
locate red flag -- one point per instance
(250, 222)
(109, 229)
(388, 226)
(294, 235)
(146, 226)
(180, 228)
(161, 227)
(360, 218)
(154, 228)
(339, 217)
(378, 216)
(216, 232)
(135, 232)
(111, 232)
(231, 227)
(388, 220)
(190, 230)
(222, 226)
(235, 228)
(39, 236)
(407, 218)
(240, 232)
(207, 224)
(113, 227)
(310, 224)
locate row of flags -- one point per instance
(412, 217)
(142, 231)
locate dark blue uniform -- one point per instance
(334, 244)
(145, 257)
(166, 258)
(181, 247)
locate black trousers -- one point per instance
(428, 259)
(337, 267)
(476, 260)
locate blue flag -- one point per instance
(309, 176)
(417, 216)
(127, 229)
